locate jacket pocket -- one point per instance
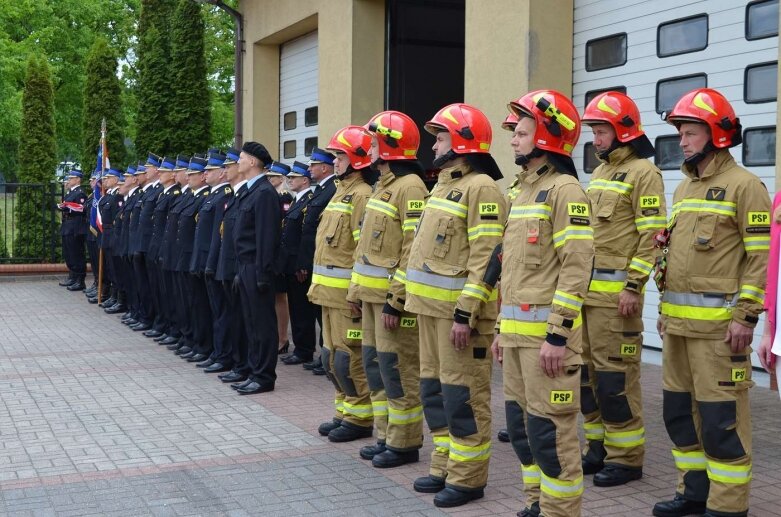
(532, 250)
(443, 237)
(607, 205)
(705, 232)
(333, 232)
(378, 234)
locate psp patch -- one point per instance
(629, 349)
(649, 202)
(577, 209)
(739, 375)
(415, 205)
(758, 219)
(354, 334)
(561, 397)
(408, 323)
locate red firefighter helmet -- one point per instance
(397, 135)
(469, 129)
(558, 123)
(707, 106)
(619, 111)
(355, 142)
(510, 122)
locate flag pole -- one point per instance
(100, 187)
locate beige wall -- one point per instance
(778, 124)
(529, 55)
(351, 47)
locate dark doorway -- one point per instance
(424, 60)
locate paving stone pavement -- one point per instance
(96, 419)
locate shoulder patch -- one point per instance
(415, 205)
(385, 196)
(649, 202)
(542, 195)
(619, 176)
(580, 221)
(758, 219)
(348, 198)
(650, 211)
(454, 195)
(228, 190)
(716, 194)
(489, 208)
(577, 209)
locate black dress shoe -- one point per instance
(327, 427)
(678, 507)
(170, 340)
(293, 359)
(161, 338)
(197, 358)
(134, 326)
(390, 459)
(452, 497)
(174, 347)
(205, 364)
(188, 355)
(141, 327)
(530, 511)
(254, 387)
(216, 367)
(105, 304)
(183, 350)
(232, 377)
(367, 452)
(311, 365)
(115, 309)
(503, 435)
(614, 475)
(429, 484)
(92, 300)
(319, 371)
(345, 433)
(153, 333)
(78, 286)
(241, 385)
(67, 282)
(130, 321)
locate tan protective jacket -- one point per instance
(337, 236)
(548, 252)
(389, 224)
(628, 208)
(718, 250)
(461, 225)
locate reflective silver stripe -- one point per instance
(333, 272)
(617, 275)
(714, 300)
(372, 271)
(434, 280)
(535, 313)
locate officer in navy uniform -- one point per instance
(116, 236)
(133, 196)
(194, 288)
(208, 223)
(276, 174)
(225, 272)
(108, 205)
(92, 238)
(321, 168)
(302, 311)
(73, 231)
(137, 259)
(171, 167)
(256, 236)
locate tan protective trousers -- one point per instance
(708, 418)
(391, 359)
(455, 388)
(551, 406)
(341, 359)
(611, 399)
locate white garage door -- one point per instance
(298, 71)
(658, 50)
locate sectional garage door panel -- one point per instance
(298, 85)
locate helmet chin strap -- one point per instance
(524, 159)
(605, 155)
(694, 159)
(346, 173)
(442, 160)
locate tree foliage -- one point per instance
(102, 99)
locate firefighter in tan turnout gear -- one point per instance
(717, 248)
(391, 355)
(547, 257)
(461, 226)
(627, 209)
(337, 235)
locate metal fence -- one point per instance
(30, 223)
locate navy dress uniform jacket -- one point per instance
(165, 200)
(73, 221)
(227, 261)
(185, 233)
(315, 207)
(210, 211)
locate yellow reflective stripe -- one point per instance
(359, 410)
(441, 443)
(400, 276)
(761, 243)
(450, 207)
(594, 431)
(356, 234)
(615, 186)
(572, 233)
(625, 439)
(328, 281)
(605, 286)
(691, 312)
(567, 300)
(382, 207)
(477, 291)
(370, 282)
(694, 460)
(335, 206)
(339, 405)
(405, 416)
(752, 292)
(485, 230)
(435, 293)
(641, 265)
(410, 225)
(561, 489)
(530, 474)
(530, 211)
(651, 223)
(705, 205)
(380, 408)
(460, 452)
(726, 473)
(530, 328)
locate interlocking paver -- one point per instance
(97, 420)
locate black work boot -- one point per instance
(594, 460)
(678, 507)
(370, 451)
(429, 484)
(503, 436)
(327, 427)
(348, 433)
(390, 459)
(68, 281)
(78, 285)
(530, 511)
(614, 475)
(451, 497)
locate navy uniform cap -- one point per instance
(216, 161)
(167, 164)
(115, 172)
(153, 160)
(130, 171)
(182, 162)
(141, 169)
(321, 156)
(299, 169)
(197, 165)
(278, 169)
(75, 173)
(232, 156)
